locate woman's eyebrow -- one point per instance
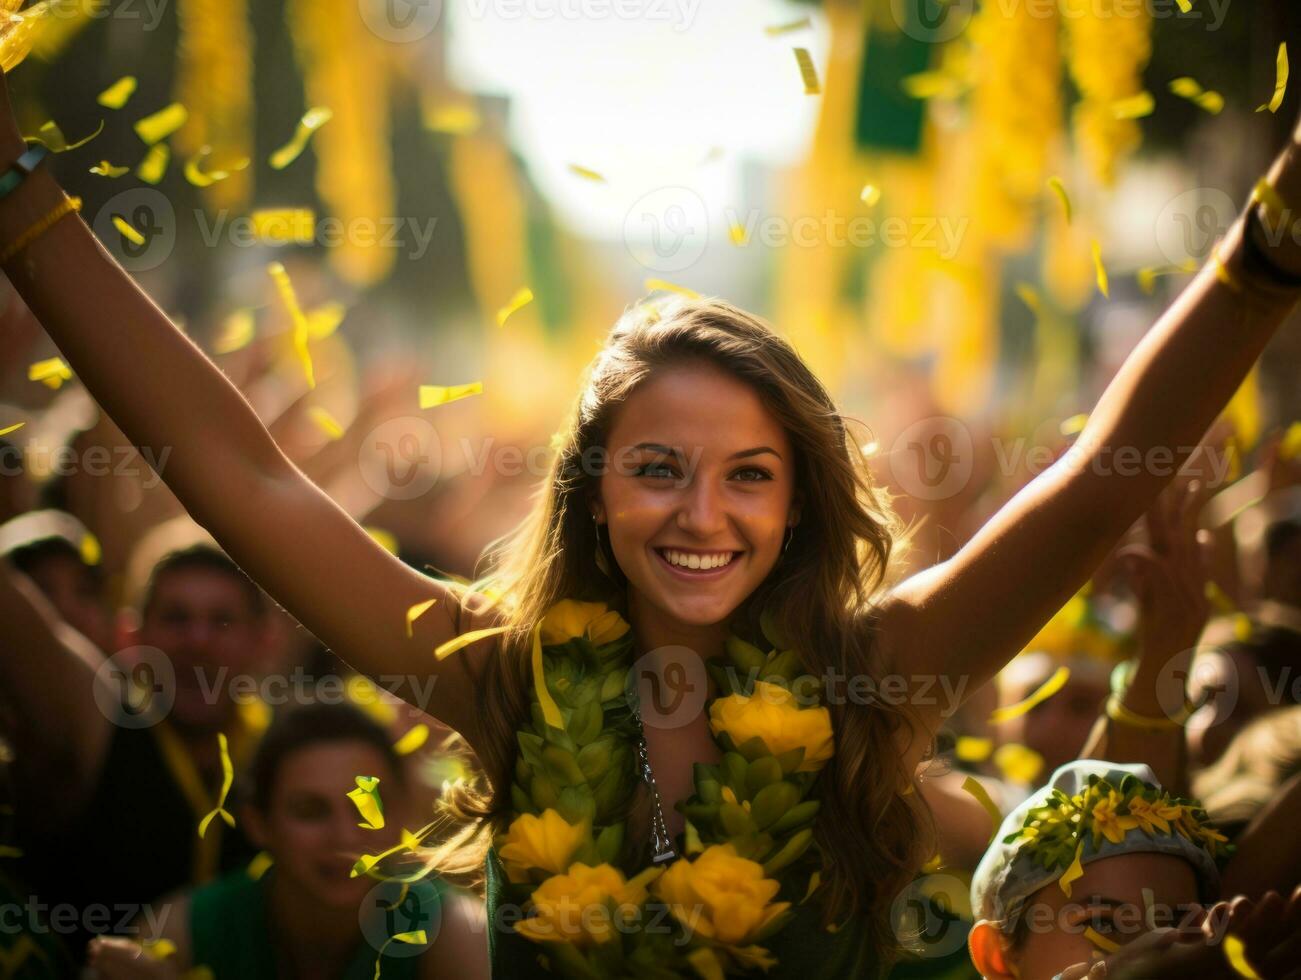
(661, 448)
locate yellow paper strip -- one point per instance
(870, 194)
(454, 120)
(1099, 269)
(412, 740)
(777, 30)
(129, 233)
(807, 71)
(197, 176)
(1060, 190)
(1133, 107)
(1047, 690)
(670, 287)
(290, 299)
(585, 173)
(91, 552)
(52, 136)
(1018, 763)
(981, 795)
(259, 866)
(550, 710)
(51, 372)
(1184, 5)
(1235, 951)
(313, 119)
(154, 165)
(445, 650)
(236, 332)
(736, 232)
(521, 299)
(117, 94)
(368, 803)
(106, 169)
(1280, 81)
(161, 124)
(12, 428)
(415, 612)
(971, 749)
(1101, 941)
(326, 422)
(432, 396)
(227, 778)
(296, 225)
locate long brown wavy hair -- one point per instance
(874, 831)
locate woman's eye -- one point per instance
(1101, 923)
(761, 474)
(655, 469)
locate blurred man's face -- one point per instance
(75, 592)
(204, 622)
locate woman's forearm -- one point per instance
(156, 384)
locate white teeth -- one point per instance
(700, 562)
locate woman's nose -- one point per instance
(701, 512)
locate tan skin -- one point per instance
(318, 563)
(310, 827)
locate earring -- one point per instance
(602, 562)
(790, 533)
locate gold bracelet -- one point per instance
(40, 227)
(1117, 712)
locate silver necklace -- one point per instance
(660, 840)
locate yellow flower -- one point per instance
(721, 895)
(1153, 816)
(773, 714)
(580, 907)
(547, 842)
(1107, 823)
(569, 618)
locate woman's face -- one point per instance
(1120, 898)
(699, 472)
(310, 827)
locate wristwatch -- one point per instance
(24, 165)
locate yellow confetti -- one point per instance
(454, 120)
(51, 373)
(1099, 269)
(290, 299)
(521, 299)
(1074, 425)
(415, 612)
(1029, 296)
(12, 428)
(815, 879)
(1185, 6)
(284, 225)
(777, 30)
(1019, 763)
(870, 194)
(236, 332)
(91, 552)
(1067, 881)
(933, 85)
(1280, 81)
(161, 124)
(1133, 107)
(197, 176)
(1101, 941)
(933, 865)
(736, 232)
(1235, 951)
(325, 319)
(158, 949)
(670, 287)
(154, 165)
(1185, 87)
(431, 396)
(52, 136)
(1190, 89)
(23, 30)
(106, 169)
(326, 422)
(415, 938)
(1290, 446)
(117, 94)
(227, 778)
(445, 650)
(981, 795)
(412, 740)
(1060, 190)
(129, 233)
(259, 866)
(585, 173)
(971, 749)
(807, 71)
(550, 710)
(1047, 690)
(313, 119)
(369, 805)
(384, 539)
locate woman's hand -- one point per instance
(125, 959)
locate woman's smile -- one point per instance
(696, 566)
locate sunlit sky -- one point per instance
(643, 99)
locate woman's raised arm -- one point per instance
(966, 617)
(164, 393)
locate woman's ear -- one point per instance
(985, 943)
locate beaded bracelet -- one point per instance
(40, 227)
(1117, 712)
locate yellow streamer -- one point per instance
(106, 169)
(415, 612)
(445, 650)
(117, 94)
(12, 428)
(432, 396)
(1280, 81)
(197, 176)
(777, 30)
(1133, 107)
(412, 740)
(1047, 690)
(1071, 874)
(1235, 951)
(236, 332)
(550, 710)
(369, 805)
(313, 119)
(1101, 941)
(586, 174)
(1099, 269)
(1060, 190)
(971, 749)
(326, 422)
(454, 120)
(807, 71)
(52, 136)
(154, 165)
(416, 938)
(91, 552)
(296, 225)
(982, 797)
(227, 778)
(521, 299)
(290, 299)
(669, 287)
(161, 124)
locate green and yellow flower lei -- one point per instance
(749, 822)
(1054, 835)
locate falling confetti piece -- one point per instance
(384, 539)
(51, 373)
(807, 71)
(369, 805)
(326, 422)
(1290, 446)
(415, 612)
(454, 120)
(412, 740)
(313, 119)
(296, 225)
(1019, 763)
(1099, 269)
(23, 30)
(870, 194)
(1191, 89)
(154, 165)
(1074, 425)
(431, 396)
(1060, 190)
(1029, 296)
(520, 300)
(129, 233)
(815, 879)
(227, 778)
(12, 428)
(585, 173)
(236, 332)
(982, 797)
(1147, 275)
(158, 949)
(968, 748)
(664, 284)
(777, 30)
(933, 865)
(117, 94)
(415, 938)
(445, 650)
(736, 232)
(290, 299)
(259, 866)
(52, 137)
(197, 176)
(1185, 6)
(1235, 951)
(1101, 941)
(91, 552)
(157, 127)
(1280, 81)
(325, 319)
(106, 169)
(1047, 690)
(1076, 871)
(1133, 107)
